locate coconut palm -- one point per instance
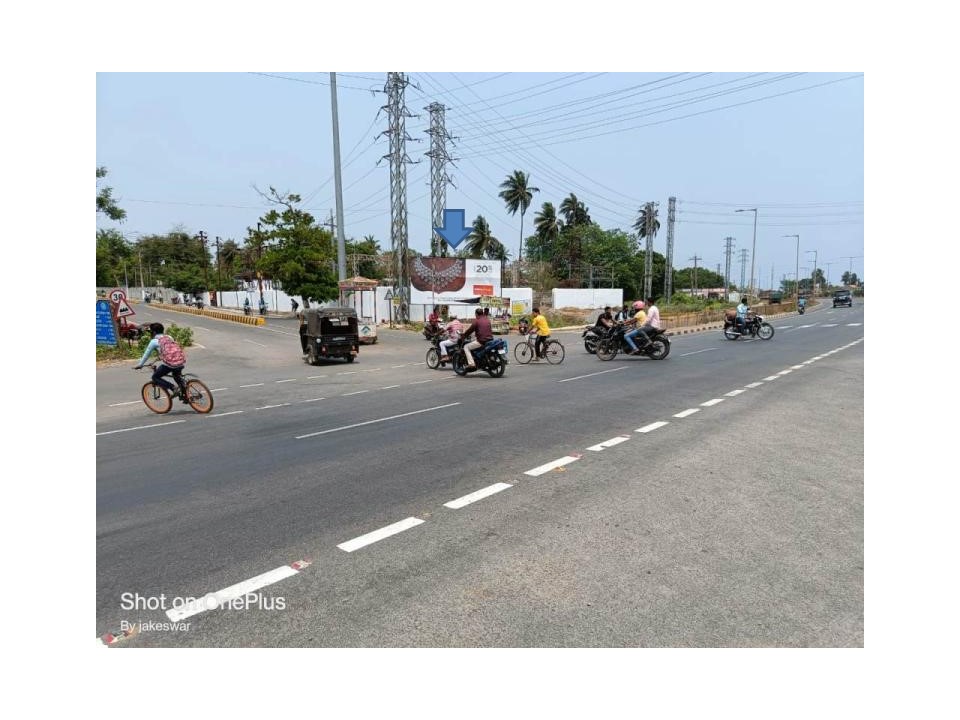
(516, 194)
(574, 211)
(641, 223)
(481, 243)
(547, 224)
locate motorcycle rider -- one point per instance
(742, 310)
(605, 319)
(802, 303)
(652, 322)
(637, 321)
(433, 321)
(246, 306)
(483, 331)
(454, 328)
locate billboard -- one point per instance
(448, 280)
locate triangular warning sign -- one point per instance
(124, 310)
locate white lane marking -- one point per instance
(478, 495)
(352, 372)
(397, 366)
(378, 420)
(829, 325)
(372, 370)
(377, 535)
(389, 387)
(734, 393)
(796, 367)
(253, 385)
(711, 403)
(141, 427)
(580, 377)
(204, 347)
(268, 407)
(283, 381)
(784, 372)
(132, 402)
(609, 443)
(811, 360)
(771, 377)
(420, 382)
(697, 351)
(566, 460)
(753, 385)
(854, 324)
(233, 412)
(314, 377)
(212, 601)
(784, 327)
(254, 343)
(358, 392)
(652, 426)
(219, 389)
(312, 400)
(687, 413)
(806, 326)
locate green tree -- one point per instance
(482, 244)
(105, 202)
(516, 194)
(574, 211)
(113, 253)
(362, 258)
(294, 250)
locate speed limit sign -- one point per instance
(117, 296)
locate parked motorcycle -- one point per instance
(492, 357)
(615, 342)
(754, 326)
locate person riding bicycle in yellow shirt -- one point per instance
(539, 324)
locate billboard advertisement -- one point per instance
(449, 280)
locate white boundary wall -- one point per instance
(587, 298)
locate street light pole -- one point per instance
(753, 252)
(218, 272)
(259, 256)
(798, 264)
(202, 237)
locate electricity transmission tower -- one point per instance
(695, 261)
(438, 175)
(397, 114)
(668, 277)
(743, 269)
(726, 274)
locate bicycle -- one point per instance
(525, 351)
(190, 390)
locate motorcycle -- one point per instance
(433, 331)
(246, 309)
(592, 335)
(753, 325)
(616, 342)
(434, 354)
(492, 357)
(801, 308)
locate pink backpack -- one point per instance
(171, 354)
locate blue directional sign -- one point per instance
(454, 230)
(106, 334)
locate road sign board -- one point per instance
(124, 310)
(116, 295)
(106, 334)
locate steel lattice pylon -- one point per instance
(397, 114)
(668, 277)
(439, 157)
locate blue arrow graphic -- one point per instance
(453, 231)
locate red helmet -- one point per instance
(638, 305)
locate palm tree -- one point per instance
(480, 243)
(574, 211)
(516, 195)
(547, 224)
(647, 226)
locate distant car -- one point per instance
(842, 298)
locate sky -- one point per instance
(191, 150)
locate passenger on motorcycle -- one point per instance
(637, 321)
(454, 328)
(652, 323)
(483, 331)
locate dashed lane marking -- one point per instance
(212, 601)
(697, 351)
(378, 420)
(770, 378)
(377, 535)
(312, 400)
(602, 372)
(140, 427)
(796, 367)
(854, 324)
(132, 402)
(734, 393)
(233, 412)
(711, 403)
(389, 387)
(269, 407)
(253, 385)
(560, 462)
(478, 495)
(687, 413)
(285, 381)
(785, 372)
(358, 392)
(652, 426)
(599, 447)
(753, 385)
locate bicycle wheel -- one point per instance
(199, 397)
(554, 352)
(523, 353)
(156, 398)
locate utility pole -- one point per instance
(259, 257)
(217, 294)
(743, 270)
(341, 242)
(438, 174)
(726, 275)
(695, 260)
(813, 283)
(202, 237)
(649, 230)
(397, 114)
(671, 219)
(753, 253)
(828, 274)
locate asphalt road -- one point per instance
(737, 522)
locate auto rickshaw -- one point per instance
(329, 332)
